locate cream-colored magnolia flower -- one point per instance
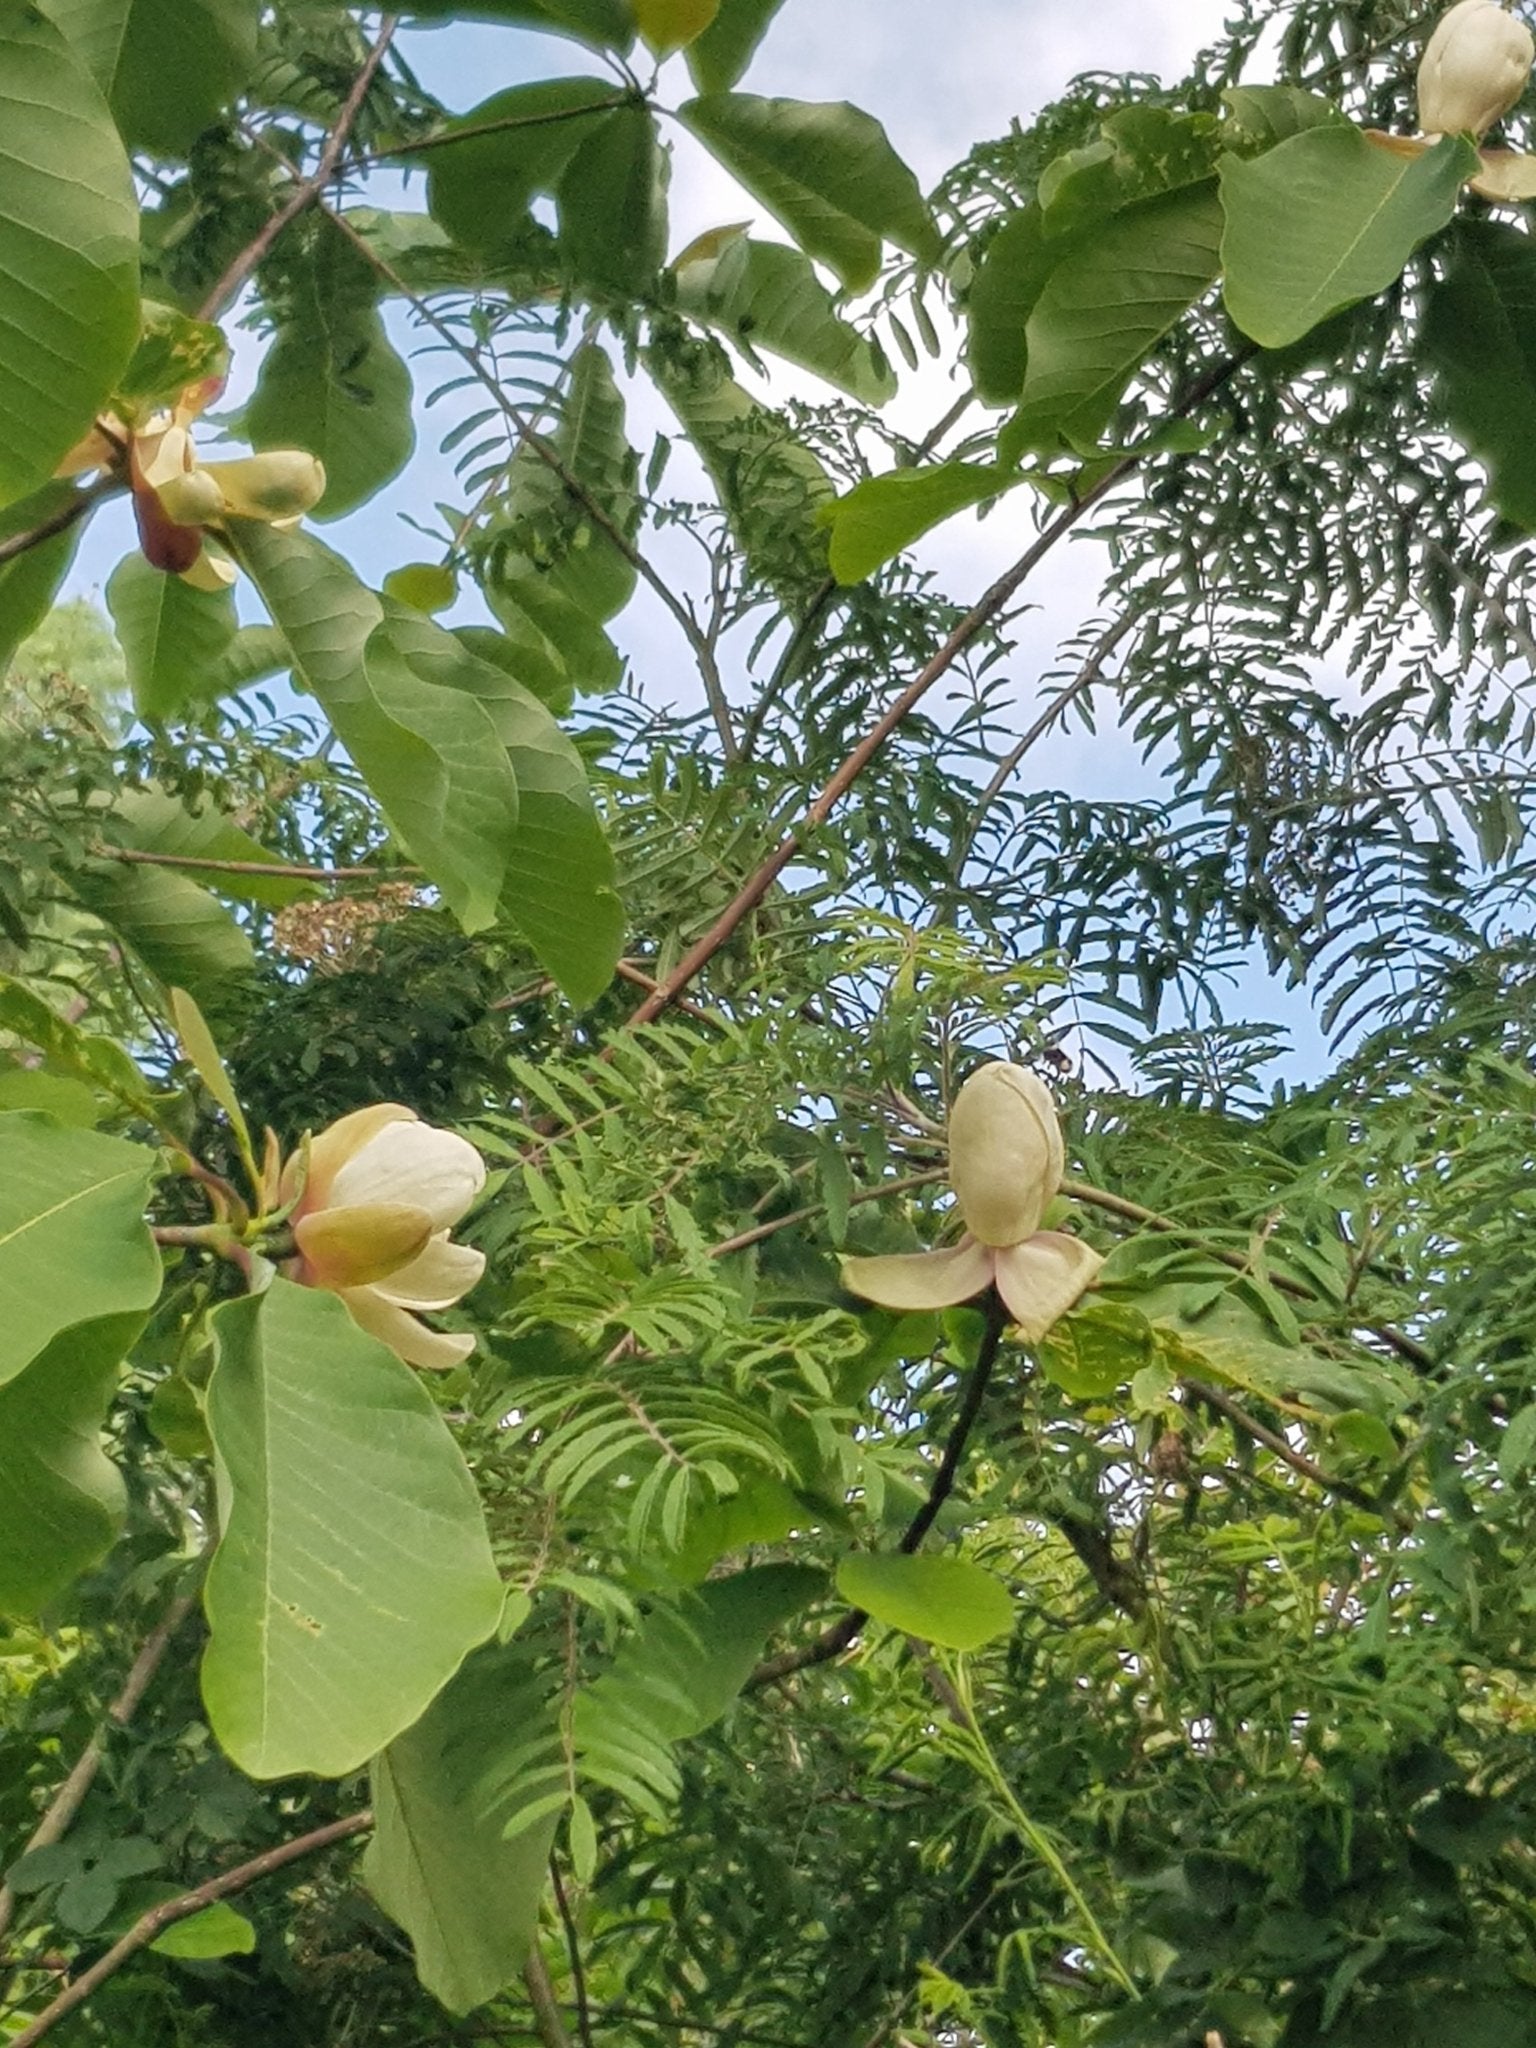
(371, 1223)
(1005, 1165)
(175, 496)
(1474, 68)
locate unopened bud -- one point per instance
(1005, 1153)
(1474, 68)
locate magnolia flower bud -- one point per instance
(1005, 1153)
(1474, 68)
(281, 484)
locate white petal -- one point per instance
(1506, 175)
(408, 1339)
(437, 1277)
(1005, 1152)
(335, 1145)
(919, 1280)
(359, 1246)
(1044, 1277)
(412, 1162)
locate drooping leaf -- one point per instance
(182, 933)
(431, 757)
(441, 1862)
(61, 1498)
(606, 24)
(1479, 337)
(201, 1048)
(514, 145)
(1259, 116)
(945, 1600)
(333, 382)
(668, 25)
(29, 582)
(719, 56)
(1010, 277)
(1139, 153)
(883, 515)
(354, 1573)
(1325, 218)
(74, 1246)
(69, 283)
(613, 203)
(766, 296)
(151, 820)
(826, 171)
(99, 1062)
(173, 636)
(167, 67)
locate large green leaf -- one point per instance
(943, 1600)
(332, 381)
(613, 204)
(515, 144)
(167, 67)
(1108, 303)
(354, 1573)
(824, 169)
(885, 514)
(440, 1862)
(183, 935)
(29, 582)
(99, 1062)
(1326, 218)
(69, 280)
(1480, 335)
(559, 889)
(61, 1499)
(151, 820)
(74, 1246)
(603, 23)
(1009, 279)
(173, 636)
(719, 56)
(766, 296)
(430, 756)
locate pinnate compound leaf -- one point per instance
(172, 635)
(442, 1862)
(74, 1246)
(430, 756)
(766, 296)
(883, 515)
(719, 56)
(167, 67)
(354, 1573)
(944, 1600)
(69, 279)
(1480, 336)
(825, 170)
(1326, 218)
(61, 1498)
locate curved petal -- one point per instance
(412, 1162)
(354, 1247)
(408, 1339)
(282, 484)
(437, 1277)
(1506, 175)
(1043, 1277)
(334, 1146)
(918, 1280)
(191, 497)
(211, 571)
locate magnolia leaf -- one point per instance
(184, 936)
(766, 296)
(197, 1043)
(944, 1600)
(74, 1246)
(151, 820)
(441, 1862)
(69, 283)
(606, 24)
(61, 1500)
(99, 1062)
(668, 25)
(719, 56)
(424, 586)
(883, 515)
(1478, 335)
(515, 144)
(30, 581)
(1326, 218)
(354, 1573)
(1259, 116)
(613, 205)
(826, 171)
(1009, 279)
(172, 635)
(167, 67)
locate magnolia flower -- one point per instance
(175, 496)
(1474, 68)
(371, 1222)
(1005, 1165)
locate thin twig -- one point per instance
(508, 121)
(546, 2007)
(745, 1238)
(69, 514)
(573, 1950)
(307, 191)
(283, 871)
(752, 892)
(1303, 1466)
(70, 1797)
(153, 1923)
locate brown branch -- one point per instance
(70, 1797)
(833, 1641)
(573, 1950)
(68, 515)
(278, 870)
(1298, 1462)
(153, 1923)
(744, 1238)
(756, 887)
(307, 191)
(546, 2007)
